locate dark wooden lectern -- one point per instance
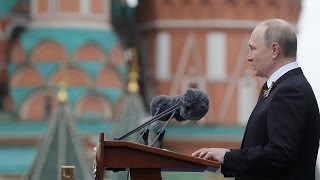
(143, 161)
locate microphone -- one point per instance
(192, 105)
(195, 105)
(162, 102)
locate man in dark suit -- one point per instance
(281, 139)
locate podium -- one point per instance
(144, 162)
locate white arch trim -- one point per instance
(18, 74)
(25, 106)
(15, 23)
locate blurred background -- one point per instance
(71, 69)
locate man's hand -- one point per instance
(213, 154)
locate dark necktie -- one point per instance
(261, 95)
(265, 91)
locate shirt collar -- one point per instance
(281, 71)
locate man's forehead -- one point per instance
(258, 31)
(256, 34)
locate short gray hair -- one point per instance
(282, 32)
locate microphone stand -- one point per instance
(154, 119)
(159, 138)
(145, 133)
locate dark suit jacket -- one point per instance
(282, 135)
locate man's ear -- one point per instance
(275, 50)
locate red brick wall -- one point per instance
(218, 9)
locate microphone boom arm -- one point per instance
(161, 133)
(145, 133)
(154, 119)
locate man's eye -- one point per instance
(251, 47)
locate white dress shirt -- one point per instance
(281, 71)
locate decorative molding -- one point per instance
(105, 16)
(200, 23)
(74, 23)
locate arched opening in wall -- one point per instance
(94, 107)
(48, 51)
(38, 106)
(90, 52)
(117, 54)
(27, 77)
(72, 76)
(109, 78)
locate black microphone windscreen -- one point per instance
(159, 104)
(195, 104)
(162, 102)
(177, 100)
